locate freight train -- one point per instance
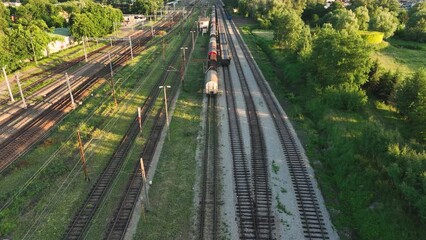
(218, 45)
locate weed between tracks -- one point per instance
(171, 194)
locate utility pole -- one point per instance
(8, 84)
(152, 29)
(83, 158)
(140, 119)
(193, 43)
(144, 182)
(84, 48)
(110, 40)
(69, 89)
(131, 49)
(183, 50)
(112, 79)
(20, 90)
(165, 105)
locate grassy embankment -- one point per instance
(46, 186)
(403, 56)
(356, 150)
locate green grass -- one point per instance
(265, 34)
(171, 194)
(403, 56)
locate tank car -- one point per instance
(212, 80)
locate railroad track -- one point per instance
(35, 130)
(117, 229)
(208, 212)
(307, 201)
(260, 222)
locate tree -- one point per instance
(361, 14)
(340, 57)
(411, 101)
(384, 21)
(94, 21)
(342, 19)
(339, 65)
(288, 30)
(4, 17)
(416, 25)
(312, 13)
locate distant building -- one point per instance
(12, 4)
(409, 3)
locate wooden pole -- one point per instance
(69, 89)
(144, 184)
(140, 119)
(20, 90)
(167, 111)
(84, 49)
(152, 29)
(131, 49)
(83, 159)
(8, 85)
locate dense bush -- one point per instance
(416, 25)
(345, 97)
(382, 84)
(411, 102)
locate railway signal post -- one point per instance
(8, 84)
(20, 90)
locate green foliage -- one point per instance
(345, 97)
(147, 7)
(372, 37)
(340, 60)
(290, 32)
(411, 101)
(313, 13)
(384, 21)
(4, 17)
(94, 21)
(416, 25)
(382, 84)
(342, 19)
(407, 173)
(361, 14)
